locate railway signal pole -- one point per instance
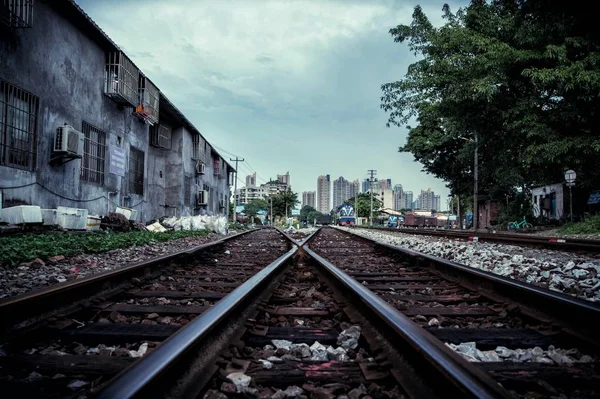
(235, 187)
(372, 173)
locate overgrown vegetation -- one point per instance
(17, 249)
(519, 80)
(589, 226)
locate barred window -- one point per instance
(198, 145)
(160, 135)
(94, 154)
(18, 127)
(136, 171)
(187, 191)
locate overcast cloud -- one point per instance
(287, 85)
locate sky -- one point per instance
(286, 85)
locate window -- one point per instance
(198, 145)
(122, 79)
(148, 102)
(17, 13)
(18, 127)
(160, 135)
(94, 154)
(187, 190)
(136, 171)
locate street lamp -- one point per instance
(475, 178)
(570, 177)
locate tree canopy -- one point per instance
(364, 204)
(309, 213)
(284, 201)
(252, 208)
(522, 75)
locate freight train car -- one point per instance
(414, 220)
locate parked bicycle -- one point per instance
(519, 225)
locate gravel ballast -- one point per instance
(15, 280)
(573, 274)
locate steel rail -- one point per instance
(36, 302)
(138, 380)
(556, 243)
(578, 313)
(471, 381)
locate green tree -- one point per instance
(284, 201)
(518, 74)
(364, 204)
(309, 213)
(252, 208)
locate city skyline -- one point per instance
(393, 195)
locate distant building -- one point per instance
(251, 180)
(285, 179)
(398, 197)
(353, 188)
(427, 199)
(323, 193)
(407, 200)
(386, 196)
(309, 198)
(365, 186)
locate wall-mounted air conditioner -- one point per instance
(200, 168)
(202, 197)
(68, 141)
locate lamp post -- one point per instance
(570, 177)
(475, 180)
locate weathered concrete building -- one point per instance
(82, 126)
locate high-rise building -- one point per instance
(398, 197)
(285, 179)
(384, 184)
(365, 186)
(340, 191)
(353, 188)
(437, 203)
(308, 198)
(427, 199)
(251, 180)
(323, 193)
(407, 200)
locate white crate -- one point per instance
(93, 223)
(49, 217)
(130, 214)
(21, 214)
(71, 218)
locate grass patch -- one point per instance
(17, 249)
(589, 226)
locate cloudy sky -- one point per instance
(287, 85)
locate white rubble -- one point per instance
(570, 273)
(553, 355)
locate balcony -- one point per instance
(147, 106)
(16, 13)
(121, 80)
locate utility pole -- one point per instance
(372, 173)
(475, 189)
(235, 186)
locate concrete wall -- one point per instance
(64, 68)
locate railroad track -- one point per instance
(70, 339)
(557, 243)
(302, 328)
(535, 342)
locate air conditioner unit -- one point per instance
(68, 140)
(202, 197)
(222, 203)
(200, 168)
